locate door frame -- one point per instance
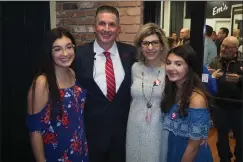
(234, 9)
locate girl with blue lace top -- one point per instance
(184, 103)
(56, 104)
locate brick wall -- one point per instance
(78, 18)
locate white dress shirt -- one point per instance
(99, 67)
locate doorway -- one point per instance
(23, 25)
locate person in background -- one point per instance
(175, 38)
(56, 104)
(171, 42)
(214, 36)
(236, 33)
(211, 85)
(222, 34)
(184, 36)
(103, 67)
(145, 141)
(228, 68)
(184, 103)
(210, 49)
(239, 35)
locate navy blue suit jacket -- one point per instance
(105, 121)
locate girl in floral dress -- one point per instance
(56, 104)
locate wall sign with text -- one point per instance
(215, 9)
(219, 9)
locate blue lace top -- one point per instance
(194, 126)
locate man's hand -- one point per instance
(217, 74)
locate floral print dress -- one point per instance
(63, 137)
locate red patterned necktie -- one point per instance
(110, 77)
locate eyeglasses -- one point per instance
(227, 47)
(60, 50)
(145, 44)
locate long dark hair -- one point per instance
(191, 84)
(47, 67)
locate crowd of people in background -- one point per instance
(184, 37)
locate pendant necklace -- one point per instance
(148, 101)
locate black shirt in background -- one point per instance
(218, 44)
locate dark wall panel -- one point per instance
(24, 25)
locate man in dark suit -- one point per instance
(103, 67)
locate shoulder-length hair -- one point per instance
(147, 30)
(192, 83)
